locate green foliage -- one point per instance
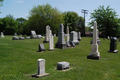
(8, 25)
(1, 3)
(18, 61)
(41, 16)
(21, 22)
(107, 21)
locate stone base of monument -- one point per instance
(61, 46)
(45, 41)
(93, 57)
(98, 42)
(38, 76)
(115, 51)
(79, 39)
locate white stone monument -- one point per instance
(67, 33)
(2, 35)
(47, 34)
(94, 54)
(61, 38)
(33, 35)
(41, 69)
(74, 37)
(51, 42)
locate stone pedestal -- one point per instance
(41, 69)
(113, 45)
(61, 40)
(94, 54)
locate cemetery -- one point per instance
(18, 60)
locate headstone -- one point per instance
(2, 35)
(61, 39)
(72, 44)
(113, 45)
(67, 33)
(54, 35)
(15, 38)
(51, 43)
(27, 37)
(94, 54)
(98, 40)
(47, 34)
(79, 36)
(68, 44)
(63, 65)
(108, 38)
(74, 37)
(33, 35)
(41, 69)
(21, 38)
(41, 48)
(15, 34)
(39, 36)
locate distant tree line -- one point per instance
(42, 15)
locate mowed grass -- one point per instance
(18, 60)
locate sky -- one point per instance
(21, 8)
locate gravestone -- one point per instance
(68, 44)
(61, 39)
(67, 33)
(54, 35)
(27, 37)
(108, 38)
(39, 36)
(41, 69)
(94, 54)
(15, 34)
(79, 36)
(2, 35)
(63, 65)
(47, 34)
(21, 38)
(72, 44)
(33, 35)
(74, 37)
(113, 45)
(51, 43)
(15, 38)
(98, 40)
(41, 48)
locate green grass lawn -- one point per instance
(18, 60)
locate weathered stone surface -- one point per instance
(61, 40)
(47, 34)
(51, 42)
(63, 65)
(39, 36)
(2, 35)
(41, 48)
(113, 45)
(68, 44)
(41, 69)
(33, 35)
(15, 38)
(74, 37)
(94, 54)
(72, 44)
(21, 38)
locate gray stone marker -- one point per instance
(47, 34)
(15, 34)
(2, 35)
(63, 65)
(72, 44)
(61, 39)
(74, 37)
(41, 69)
(27, 37)
(113, 45)
(67, 33)
(79, 36)
(68, 44)
(54, 35)
(98, 40)
(21, 38)
(94, 54)
(15, 38)
(33, 35)
(39, 36)
(51, 42)
(41, 48)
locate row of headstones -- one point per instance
(34, 36)
(41, 68)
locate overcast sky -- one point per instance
(21, 8)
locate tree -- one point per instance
(1, 3)
(21, 22)
(107, 21)
(8, 25)
(41, 16)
